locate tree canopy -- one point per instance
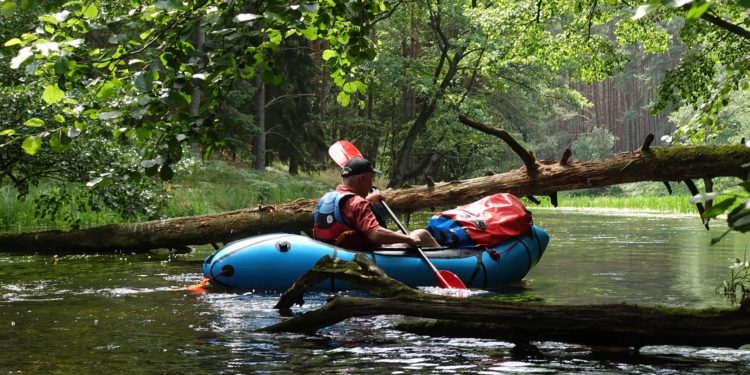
(117, 96)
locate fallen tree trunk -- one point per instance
(547, 178)
(594, 325)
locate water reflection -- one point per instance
(131, 314)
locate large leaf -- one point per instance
(329, 54)
(52, 94)
(31, 144)
(91, 11)
(34, 122)
(143, 81)
(719, 208)
(343, 99)
(739, 218)
(697, 10)
(8, 8)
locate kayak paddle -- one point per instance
(446, 279)
(344, 150)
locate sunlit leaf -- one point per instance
(343, 99)
(94, 181)
(310, 33)
(73, 132)
(52, 94)
(12, 42)
(329, 53)
(23, 55)
(696, 11)
(61, 16)
(107, 90)
(91, 11)
(31, 144)
(350, 88)
(168, 4)
(7, 132)
(109, 115)
(34, 122)
(310, 8)
(245, 17)
(47, 47)
(48, 18)
(643, 10)
(59, 118)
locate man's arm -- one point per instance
(385, 236)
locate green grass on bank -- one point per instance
(210, 187)
(217, 186)
(657, 203)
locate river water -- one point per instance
(131, 314)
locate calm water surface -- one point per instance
(130, 314)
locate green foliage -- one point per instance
(739, 280)
(135, 78)
(735, 204)
(201, 188)
(595, 145)
(714, 67)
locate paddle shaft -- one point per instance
(440, 278)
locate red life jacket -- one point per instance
(330, 227)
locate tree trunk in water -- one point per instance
(596, 325)
(656, 164)
(259, 142)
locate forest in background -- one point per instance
(107, 101)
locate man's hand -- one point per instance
(414, 240)
(375, 197)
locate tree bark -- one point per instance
(595, 325)
(259, 142)
(657, 164)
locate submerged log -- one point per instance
(594, 325)
(658, 164)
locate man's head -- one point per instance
(357, 174)
(356, 166)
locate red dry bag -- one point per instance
(486, 222)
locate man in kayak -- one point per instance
(345, 217)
